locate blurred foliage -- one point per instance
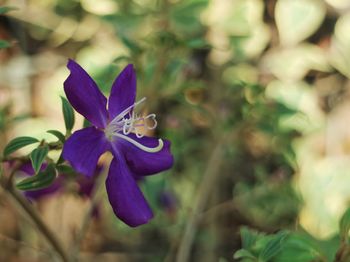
(294, 246)
(270, 78)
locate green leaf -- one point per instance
(273, 247)
(65, 169)
(121, 59)
(39, 181)
(132, 45)
(68, 114)
(344, 225)
(243, 253)
(197, 43)
(86, 123)
(301, 248)
(18, 143)
(248, 237)
(186, 13)
(4, 44)
(38, 156)
(5, 9)
(60, 160)
(57, 134)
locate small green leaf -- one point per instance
(86, 123)
(57, 134)
(273, 247)
(302, 248)
(186, 14)
(197, 43)
(4, 44)
(248, 237)
(18, 143)
(38, 156)
(132, 45)
(344, 225)
(60, 160)
(39, 181)
(121, 58)
(68, 114)
(243, 253)
(65, 169)
(5, 9)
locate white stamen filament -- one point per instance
(121, 126)
(142, 147)
(125, 111)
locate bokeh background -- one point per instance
(253, 94)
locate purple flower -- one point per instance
(115, 129)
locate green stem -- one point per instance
(205, 189)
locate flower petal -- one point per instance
(87, 184)
(127, 200)
(83, 149)
(145, 163)
(84, 95)
(123, 92)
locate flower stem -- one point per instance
(31, 212)
(75, 250)
(205, 189)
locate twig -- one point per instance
(204, 192)
(14, 158)
(56, 245)
(16, 243)
(75, 250)
(31, 212)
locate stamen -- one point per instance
(153, 118)
(127, 110)
(142, 147)
(121, 126)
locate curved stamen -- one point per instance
(142, 147)
(121, 115)
(139, 135)
(153, 118)
(122, 125)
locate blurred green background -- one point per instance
(253, 94)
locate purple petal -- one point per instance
(83, 149)
(145, 163)
(84, 95)
(28, 170)
(127, 201)
(87, 184)
(123, 92)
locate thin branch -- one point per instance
(34, 216)
(16, 243)
(205, 189)
(75, 250)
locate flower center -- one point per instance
(128, 122)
